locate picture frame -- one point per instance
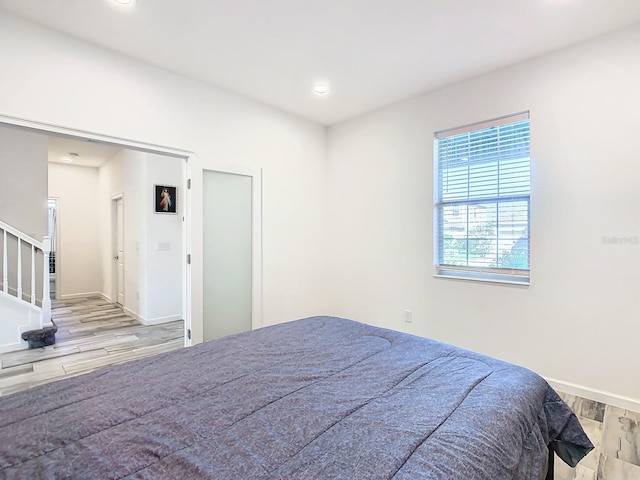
(165, 199)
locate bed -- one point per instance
(316, 398)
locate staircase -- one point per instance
(25, 261)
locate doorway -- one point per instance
(101, 253)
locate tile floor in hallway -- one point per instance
(615, 432)
(92, 333)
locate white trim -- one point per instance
(62, 131)
(487, 279)
(22, 236)
(14, 347)
(113, 267)
(608, 398)
(133, 314)
(187, 250)
(160, 320)
(113, 263)
(494, 122)
(69, 296)
(256, 242)
(151, 321)
(105, 297)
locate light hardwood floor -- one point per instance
(615, 432)
(92, 333)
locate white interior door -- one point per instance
(227, 255)
(119, 256)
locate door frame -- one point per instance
(184, 155)
(57, 243)
(114, 246)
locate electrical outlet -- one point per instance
(408, 316)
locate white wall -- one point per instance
(78, 255)
(61, 81)
(164, 251)
(578, 321)
(23, 208)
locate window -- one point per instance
(482, 184)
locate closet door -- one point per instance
(227, 253)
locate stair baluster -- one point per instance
(46, 293)
(19, 286)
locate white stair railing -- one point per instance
(11, 258)
(45, 317)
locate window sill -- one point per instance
(483, 277)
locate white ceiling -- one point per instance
(372, 52)
(89, 154)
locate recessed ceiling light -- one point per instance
(321, 88)
(70, 158)
(125, 2)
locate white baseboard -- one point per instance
(598, 395)
(159, 320)
(13, 347)
(69, 296)
(133, 314)
(106, 297)
(152, 321)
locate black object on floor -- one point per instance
(41, 337)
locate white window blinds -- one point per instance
(482, 194)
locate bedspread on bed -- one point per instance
(318, 398)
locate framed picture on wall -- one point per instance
(165, 199)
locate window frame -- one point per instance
(495, 274)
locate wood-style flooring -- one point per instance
(615, 433)
(92, 333)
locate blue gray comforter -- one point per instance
(319, 398)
